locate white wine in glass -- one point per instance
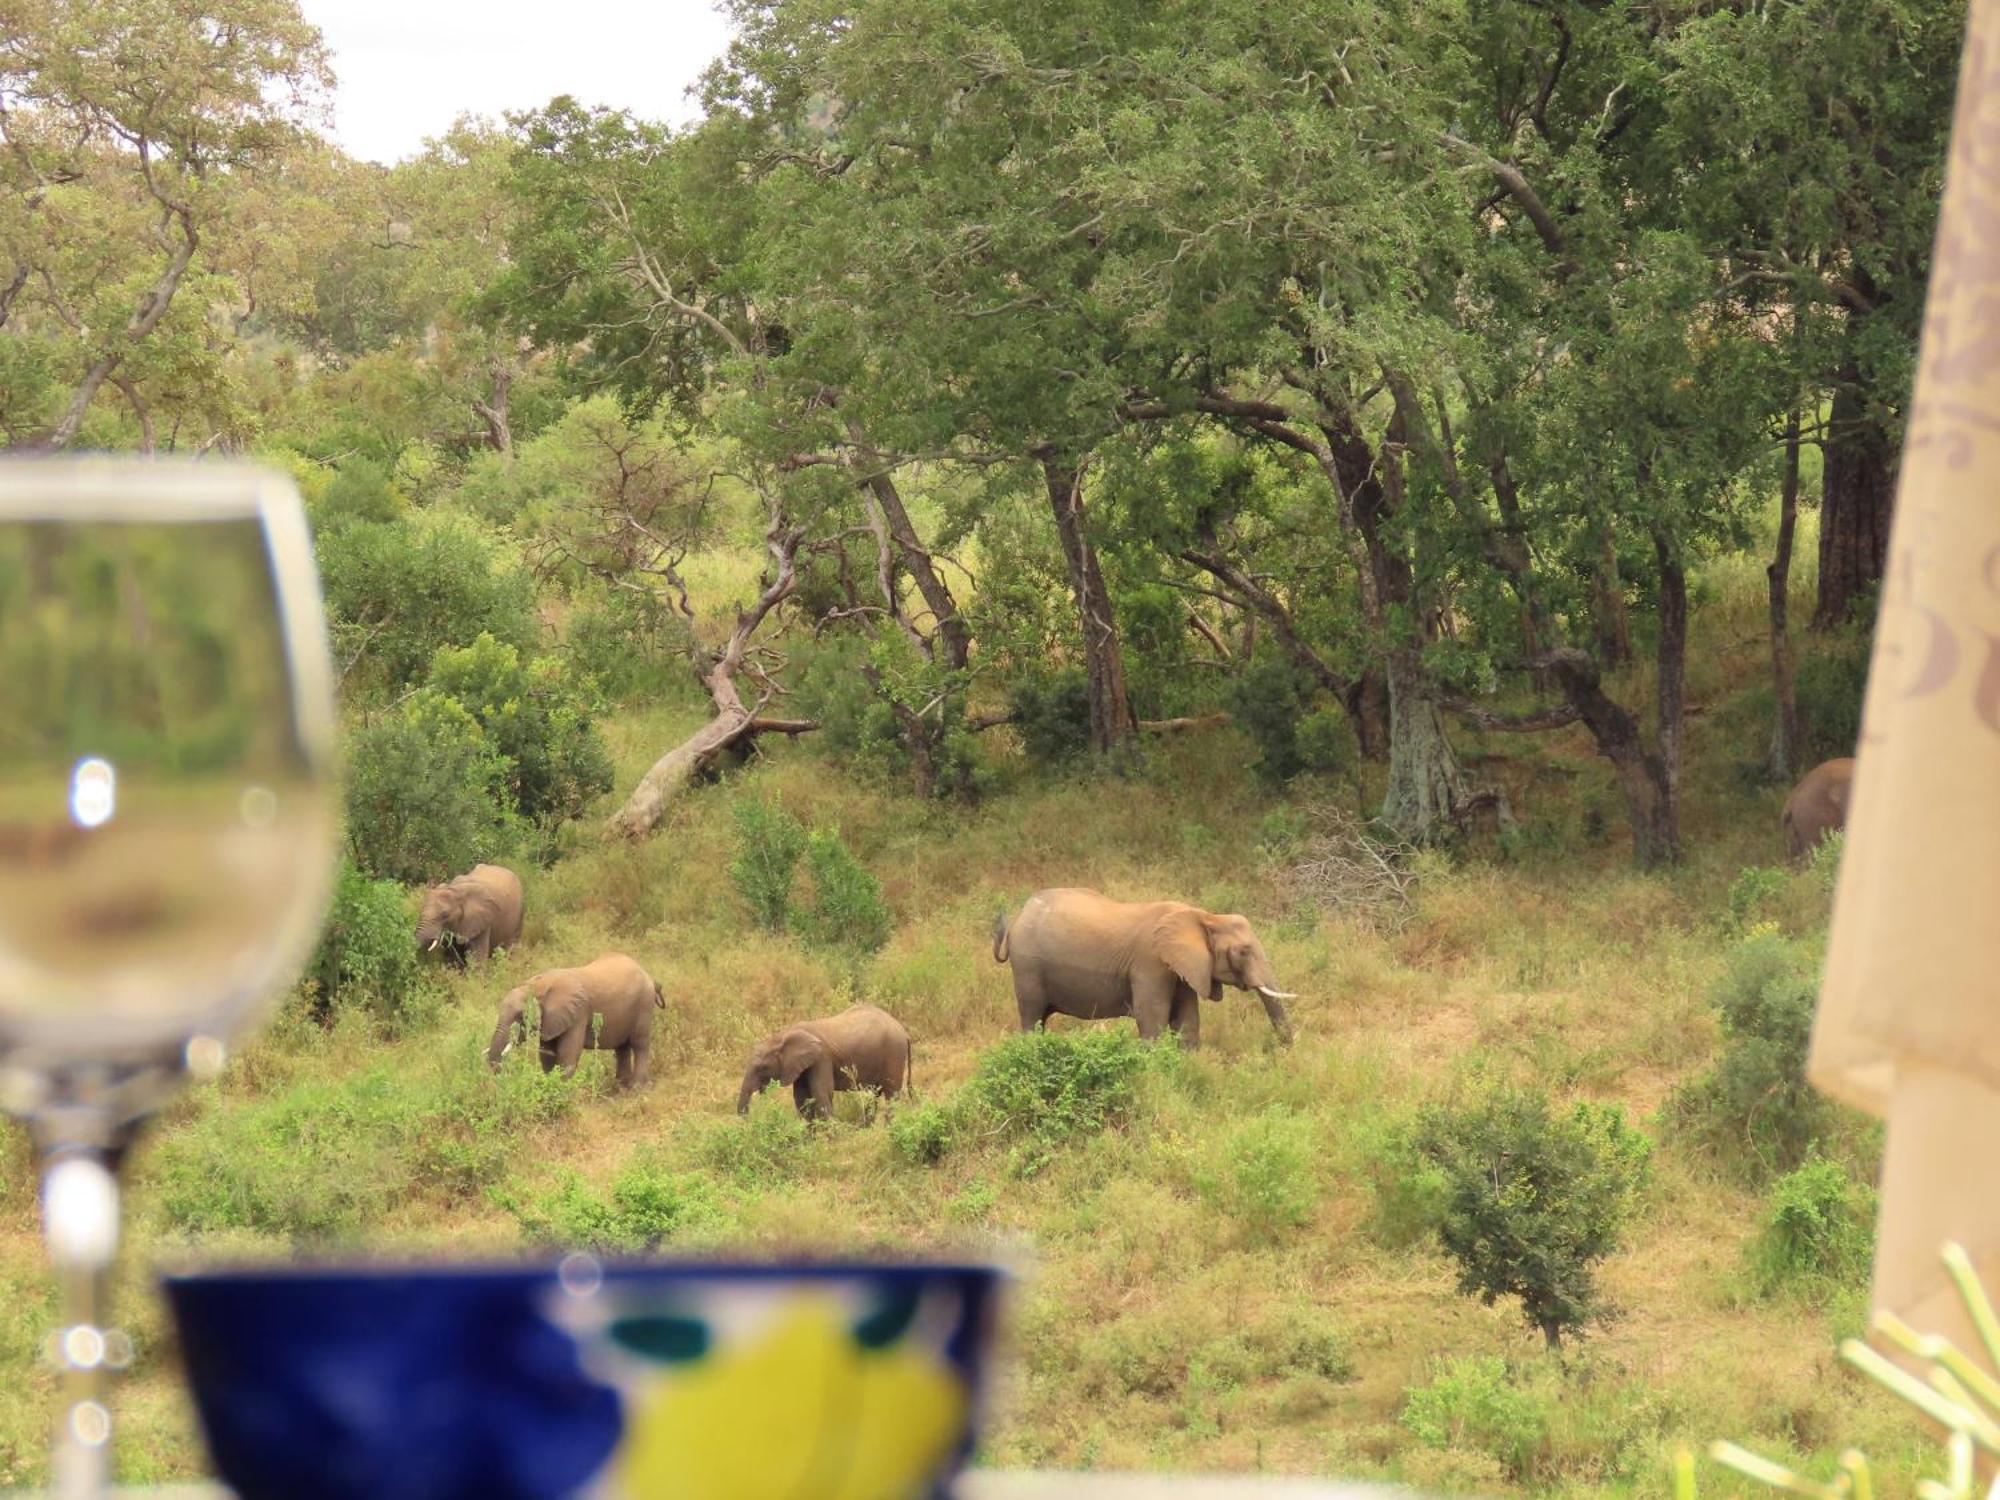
(167, 825)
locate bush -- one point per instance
(426, 793)
(769, 841)
(1534, 1200)
(1818, 1234)
(1754, 1107)
(630, 645)
(647, 1207)
(848, 910)
(396, 591)
(1471, 1405)
(767, 1146)
(1269, 699)
(360, 491)
(1052, 716)
(537, 720)
(924, 1134)
(1264, 1173)
(1828, 685)
(366, 956)
(1752, 891)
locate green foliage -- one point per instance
(427, 794)
(360, 491)
(766, 1147)
(769, 841)
(630, 646)
(1818, 1234)
(1264, 1173)
(925, 1134)
(648, 1206)
(366, 957)
(1754, 888)
(397, 591)
(1473, 1404)
(1828, 685)
(848, 910)
(1754, 1108)
(1270, 699)
(1052, 716)
(1534, 1200)
(536, 718)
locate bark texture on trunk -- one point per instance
(1111, 719)
(1614, 633)
(1427, 793)
(881, 486)
(1857, 498)
(1785, 724)
(493, 410)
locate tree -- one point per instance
(128, 127)
(1533, 1199)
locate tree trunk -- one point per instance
(1857, 496)
(1785, 725)
(734, 724)
(1670, 685)
(1427, 792)
(951, 627)
(1614, 635)
(1367, 705)
(1111, 719)
(493, 410)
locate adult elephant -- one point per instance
(472, 914)
(1817, 805)
(863, 1047)
(1079, 953)
(607, 1003)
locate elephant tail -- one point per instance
(909, 1066)
(659, 995)
(1001, 945)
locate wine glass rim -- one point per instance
(109, 487)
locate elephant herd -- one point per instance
(1071, 952)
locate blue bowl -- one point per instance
(614, 1381)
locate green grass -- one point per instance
(1217, 1278)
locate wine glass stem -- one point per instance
(80, 1223)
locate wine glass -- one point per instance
(167, 827)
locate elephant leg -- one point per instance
(1152, 1004)
(482, 947)
(624, 1059)
(1186, 1018)
(803, 1099)
(548, 1057)
(569, 1048)
(641, 1054)
(1029, 998)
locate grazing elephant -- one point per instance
(1817, 805)
(611, 989)
(473, 913)
(1082, 954)
(861, 1048)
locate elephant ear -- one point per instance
(798, 1052)
(1181, 940)
(563, 1004)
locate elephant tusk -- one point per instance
(434, 942)
(1270, 994)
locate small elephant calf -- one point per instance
(861, 1048)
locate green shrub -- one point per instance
(1264, 1173)
(646, 1208)
(924, 1134)
(360, 491)
(1534, 1199)
(366, 955)
(1472, 1405)
(765, 1147)
(1823, 861)
(769, 841)
(630, 645)
(1818, 1234)
(1268, 700)
(1754, 1107)
(396, 591)
(535, 718)
(848, 910)
(1752, 891)
(426, 793)
(1052, 716)
(1828, 685)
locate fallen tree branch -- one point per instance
(1553, 717)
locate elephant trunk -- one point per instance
(429, 934)
(751, 1084)
(506, 1031)
(1274, 1009)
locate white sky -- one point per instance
(407, 68)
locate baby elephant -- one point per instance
(611, 989)
(1817, 805)
(861, 1048)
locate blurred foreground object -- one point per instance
(1908, 1025)
(166, 828)
(698, 1382)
